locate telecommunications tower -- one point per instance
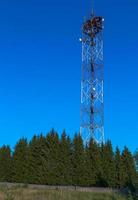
(92, 81)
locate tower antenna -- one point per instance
(92, 4)
(92, 7)
(92, 81)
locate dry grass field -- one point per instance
(35, 194)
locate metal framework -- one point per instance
(92, 91)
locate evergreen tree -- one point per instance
(87, 167)
(136, 159)
(65, 160)
(32, 160)
(78, 160)
(53, 162)
(108, 165)
(129, 170)
(44, 154)
(136, 178)
(20, 159)
(5, 164)
(37, 160)
(92, 164)
(118, 169)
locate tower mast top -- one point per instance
(92, 81)
(92, 4)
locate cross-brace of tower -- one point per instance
(92, 93)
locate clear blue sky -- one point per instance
(40, 67)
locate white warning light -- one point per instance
(94, 89)
(80, 39)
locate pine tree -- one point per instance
(136, 178)
(136, 159)
(118, 169)
(43, 160)
(108, 165)
(78, 160)
(37, 161)
(53, 162)
(32, 160)
(129, 169)
(65, 166)
(20, 159)
(93, 164)
(5, 164)
(88, 176)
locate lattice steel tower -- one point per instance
(92, 90)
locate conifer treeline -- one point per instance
(61, 161)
